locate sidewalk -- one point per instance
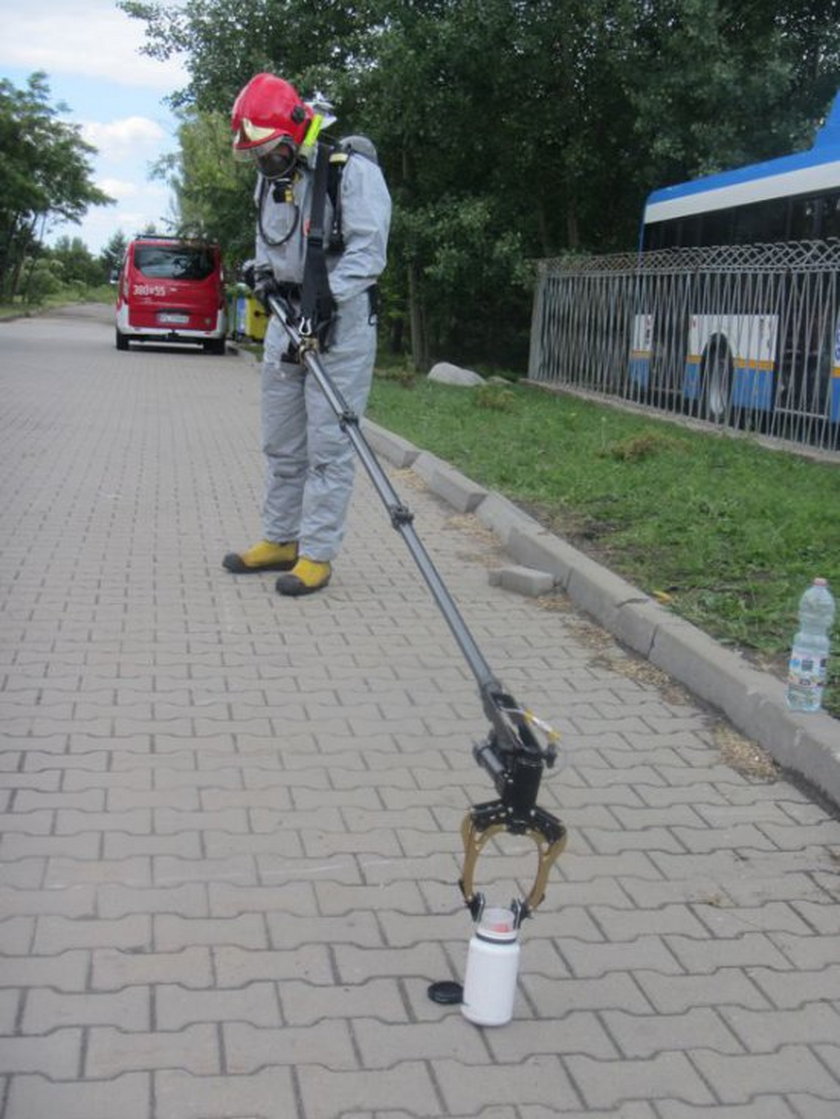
(230, 844)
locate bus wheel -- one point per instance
(717, 380)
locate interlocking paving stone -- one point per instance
(176, 1007)
(56, 1055)
(327, 1093)
(268, 1093)
(112, 1051)
(29, 1096)
(249, 1048)
(229, 845)
(127, 1009)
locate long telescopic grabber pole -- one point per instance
(511, 753)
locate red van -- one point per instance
(171, 290)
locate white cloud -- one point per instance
(132, 221)
(93, 38)
(135, 201)
(114, 138)
(117, 188)
(133, 212)
(91, 52)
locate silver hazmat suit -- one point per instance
(309, 459)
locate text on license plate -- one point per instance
(173, 318)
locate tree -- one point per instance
(44, 174)
(78, 265)
(111, 256)
(496, 113)
(226, 43)
(517, 129)
(212, 192)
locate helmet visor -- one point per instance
(250, 141)
(274, 157)
(279, 161)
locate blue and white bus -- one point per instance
(743, 345)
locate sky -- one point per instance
(90, 51)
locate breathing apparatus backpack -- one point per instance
(317, 306)
(339, 155)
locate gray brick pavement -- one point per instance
(229, 849)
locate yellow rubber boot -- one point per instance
(306, 577)
(264, 556)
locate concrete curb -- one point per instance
(753, 701)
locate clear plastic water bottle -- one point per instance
(808, 668)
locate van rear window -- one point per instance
(174, 262)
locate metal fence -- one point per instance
(745, 337)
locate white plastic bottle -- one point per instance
(808, 668)
(492, 968)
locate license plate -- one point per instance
(172, 318)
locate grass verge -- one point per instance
(726, 533)
(105, 293)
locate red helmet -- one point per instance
(267, 112)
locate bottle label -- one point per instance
(807, 676)
(807, 670)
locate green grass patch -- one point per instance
(729, 532)
(71, 293)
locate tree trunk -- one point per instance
(572, 227)
(542, 228)
(17, 262)
(419, 342)
(416, 318)
(396, 334)
(36, 244)
(7, 259)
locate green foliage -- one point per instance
(212, 191)
(730, 531)
(44, 174)
(226, 43)
(78, 265)
(507, 130)
(112, 255)
(44, 278)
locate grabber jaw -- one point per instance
(516, 774)
(481, 823)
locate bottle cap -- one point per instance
(446, 992)
(497, 924)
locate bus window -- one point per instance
(831, 216)
(759, 223)
(715, 227)
(802, 219)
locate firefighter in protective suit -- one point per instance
(309, 459)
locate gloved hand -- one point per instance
(260, 279)
(265, 286)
